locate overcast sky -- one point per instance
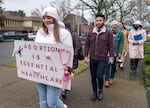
(29, 5)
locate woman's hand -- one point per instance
(136, 43)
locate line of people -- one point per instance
(107, 48)
(103, 47)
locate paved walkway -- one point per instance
(125, 93)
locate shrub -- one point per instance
(147, 49)
(147, 71)
(147, 59)
(148, 38)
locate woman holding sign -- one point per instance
(52, 33)
(136, 39)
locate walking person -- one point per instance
(99, 42)
(136, 38)
(76, 47)
(118, 39)
(52, 33)
(125, 46)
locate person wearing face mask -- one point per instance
(99, 42)
(136, 39)
(52, 32)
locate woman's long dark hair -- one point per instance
(123, 24)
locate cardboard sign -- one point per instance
(43, 63)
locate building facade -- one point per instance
(14, 22)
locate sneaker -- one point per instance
(65, 106)
(100, 95)
(111, 81)
(121, 66)
(93, 97)
(106, 84)
(120, 61)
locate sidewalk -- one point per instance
(20, 93)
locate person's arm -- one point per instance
(76, 44)
(87, 45)
(111, 45)
(86, 48)
(144, 36)
(121, 43)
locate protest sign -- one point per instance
(43, 63)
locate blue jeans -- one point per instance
(110, 70)
(97, 68)
(113, 69)
(49, 96)
(107, 72)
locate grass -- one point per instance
(148, 38)
(11, 64)
(82, 66)
(147, 64)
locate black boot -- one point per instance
(64, 94)
(100, 95)
(131, 66)
(94, 97)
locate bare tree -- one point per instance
(36, 13)
(1, 15)
(1, 2)
(141, 10)
(101, 6)
(64, 7)
(124, 8)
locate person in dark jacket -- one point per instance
(76, 47)
(98, 43)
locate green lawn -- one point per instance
(11, 64)
(147, 64)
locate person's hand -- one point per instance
(86, 60)
(124, 53)
(72, 75)
(136, 43)
(119, 55)
(111, 60)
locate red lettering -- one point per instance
(25, 46)
(52, 79)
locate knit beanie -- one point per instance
(51, 11)
(114, 23)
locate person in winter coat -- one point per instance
(136, 38)
(51, 33)
(99, 42)
(76, 44)
(118, 39)
(76, 47)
